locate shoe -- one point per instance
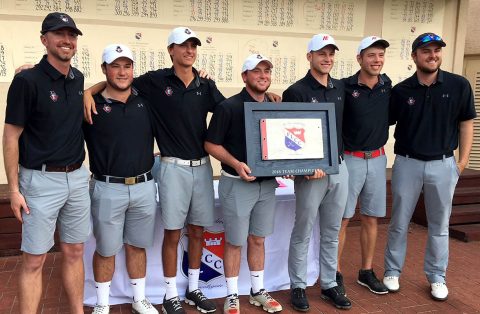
(199, 300)
(232, 304)
(391, 282)
(340, 285)
(263, 299)
(339, 300)
(299, 300)
(143, 307)
(367, 278)
(172, 306)
(101, 309)
(439, 291)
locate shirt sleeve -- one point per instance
(219, 125)
(468, 103)
(217, 96)
(20, 101)
(289, 95)
(143, 84)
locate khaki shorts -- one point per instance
(54, 199)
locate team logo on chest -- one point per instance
(294, 138)
(211, 266)
(169, 91)
(314, 99)
(411, 101)
(356, 93)
(53, 96)
(107, 108)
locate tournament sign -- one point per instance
(290, 138)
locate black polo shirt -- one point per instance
(120, 140)
(365, 117)
(49, 106)
(179, 112)
(308, 89)
(427, 117)
(227, 128)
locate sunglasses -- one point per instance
(430, 37)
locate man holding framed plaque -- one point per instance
(318, 194)
(248, 202)
(365, 131)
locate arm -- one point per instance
(273, 97)
(220, 153)
(11, 134)
(465, 145)
(89, 103)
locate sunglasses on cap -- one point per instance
(430, 37)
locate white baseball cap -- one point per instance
(180, 35)
(319, 41)
(253, 60)
(114, 51)
(370, 40)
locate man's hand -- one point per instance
(88, 106)
(291, 177)
(17, 202)
(244, 171)
(317, 174)
(204, 74)
(23, 67)
(461, 166)
(273, 97)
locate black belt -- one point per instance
(127, 180)
(426, 158)
(50, 168)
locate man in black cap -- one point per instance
(433, 111)
(43, 153)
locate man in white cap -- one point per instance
(179, 101)
(318, 194)
(120, 148)
(365, 132)
(248, 202)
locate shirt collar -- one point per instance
(196, 81)
(54, 73)
(416, 82)
(248, 98)
(314, 83)
(354, 79)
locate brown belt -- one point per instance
(69, 168)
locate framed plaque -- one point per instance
(290, 138)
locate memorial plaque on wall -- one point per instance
(290, 138)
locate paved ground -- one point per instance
(463, 281)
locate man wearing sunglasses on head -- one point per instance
(433, 111)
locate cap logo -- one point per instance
(187, 31)
(374, 38)
(119, 49)
(325, 38)
(259, 57)
(64, 18)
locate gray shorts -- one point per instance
(186, 195)
(54, 199)
(123, 214)
(367, 184)
(248, 208)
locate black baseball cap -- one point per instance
(427, 38)
(57, 20)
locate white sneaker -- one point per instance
(143, 307)
(101, 309)
(391, 282)
(439, 291)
